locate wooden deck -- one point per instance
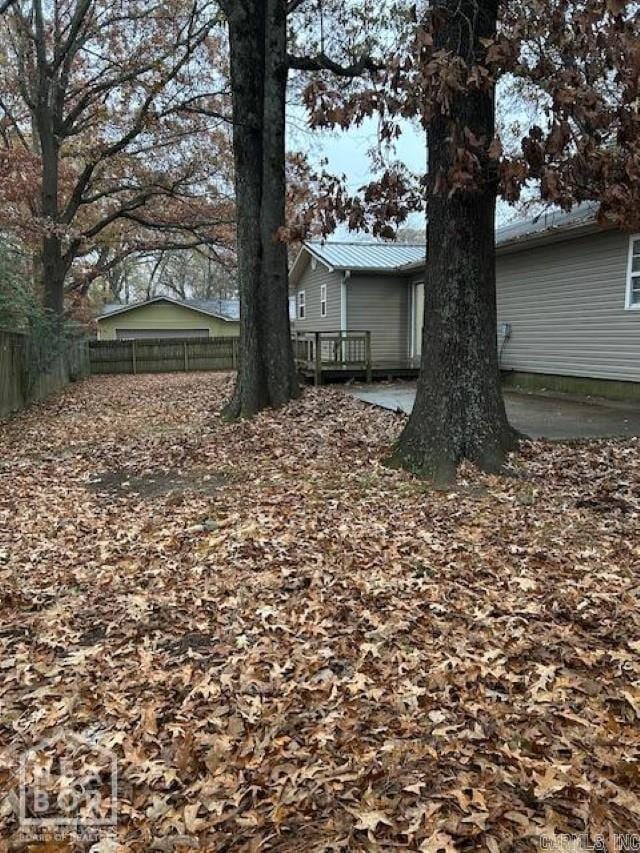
(344, 355)
(382, 370)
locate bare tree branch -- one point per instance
(6, 5)
(322, 62)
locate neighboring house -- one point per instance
(164, 317)
(568, 298)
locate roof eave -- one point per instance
(382, 270)
(413, 266)
(177, 302)
(533, 239)
(558, 234)
(300, 264)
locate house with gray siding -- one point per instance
(359, 287)
(568, 300)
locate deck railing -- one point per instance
(324, 351)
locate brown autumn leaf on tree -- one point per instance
(101, 151)
(579, 64)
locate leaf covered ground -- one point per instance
(291, 647)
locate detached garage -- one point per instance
(164, 317)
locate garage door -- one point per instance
(151, 334)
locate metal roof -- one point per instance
(547, 224)
(224, 309)
(109, 308)
(367, 256)
(546, 227)
(401, 257)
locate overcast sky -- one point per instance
(347, 153)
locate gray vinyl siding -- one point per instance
(380, 304)
(311, 282)
(566, 305)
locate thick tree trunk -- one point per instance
(246, 42)
(53, 275)
(53, 266)
(278, 350)
(257, 37)
(459, 410)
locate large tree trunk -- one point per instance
(54, 273)
(52, 264)
(459, 410)
(278, 350)
(257, 38)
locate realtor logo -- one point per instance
(68, 786)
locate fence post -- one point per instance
(318, 360)
(134, 363)
(234, 353)
(368, 355)
(186, 357)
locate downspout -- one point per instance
(343, 300)
(411, 326)
(343, 312)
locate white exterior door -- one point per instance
(418, 318)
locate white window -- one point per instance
(633, 273)
(292, 308)
(323, 300)
(301, 305)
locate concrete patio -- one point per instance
(535, 415)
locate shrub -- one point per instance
(21, 310)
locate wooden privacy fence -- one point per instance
(31, 369)
(163, 355)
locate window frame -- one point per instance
(302, 304)
(323, 300)
(630, 305)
